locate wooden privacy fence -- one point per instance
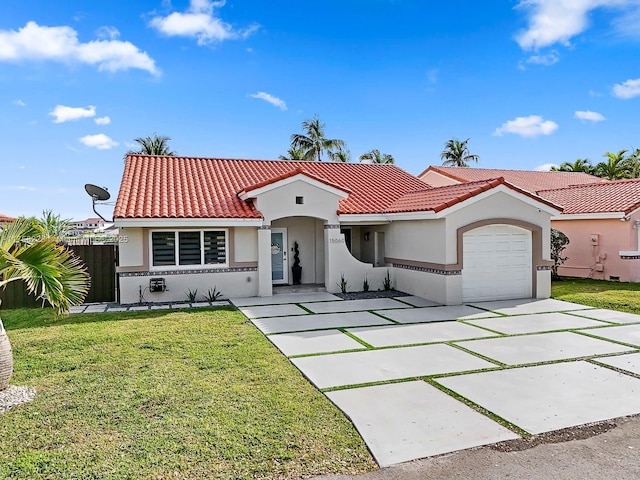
(100, 261)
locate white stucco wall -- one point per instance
(417, 240)
(281, 202)
(231, 284)
(245, 244)
(131, 251)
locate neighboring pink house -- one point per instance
(600, 217)
(602, 222)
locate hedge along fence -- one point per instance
(100, 261)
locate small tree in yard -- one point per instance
(559, 242)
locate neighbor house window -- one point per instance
(186, 248)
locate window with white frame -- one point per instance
(188, 248)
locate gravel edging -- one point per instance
(13, 396)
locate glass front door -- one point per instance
(279, 264)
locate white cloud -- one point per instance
(593, 93)
(201, 22)
(19, 103)
(63, 113)
(99, 141)
(275, 101)
(557, 21)
(530, 126)
(589, 115)
(545, 167)
(547, 60)
(628, 89)
(61, 44)
(102, 120)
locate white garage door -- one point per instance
(496, 263)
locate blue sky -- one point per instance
(531, 83)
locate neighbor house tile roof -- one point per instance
(439, 198)
(618, 196)
(526, 179)
(185, 187)
(6, 218)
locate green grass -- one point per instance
(624, 297)
(165, 395)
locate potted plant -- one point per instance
(296, 270)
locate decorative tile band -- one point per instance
(264, 227)
(437, 271)
(329, 226)
(542, 268)
(629, 257)
(188, 272)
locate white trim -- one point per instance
(363, 218)
(629, 253)
(253, 193)
(177, 266)
(188, 222)
(590, 216)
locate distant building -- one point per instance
(5, 219)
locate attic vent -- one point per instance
(299, 200)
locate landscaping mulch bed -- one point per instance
(371, 294)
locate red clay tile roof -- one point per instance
(438, 199)
(617, 196)
(293, 173)
(530, 180)
(5, 218)
(185, 187)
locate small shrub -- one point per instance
(559, 242)
(365, 285)
(191, 295)
(386, 283)
(344, 285)
(213, 294)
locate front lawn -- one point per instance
(599, 293)
(165, 395)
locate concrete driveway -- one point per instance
(418, 379)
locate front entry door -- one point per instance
(279, 263)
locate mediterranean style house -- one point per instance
(199, 223)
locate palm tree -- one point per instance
(580, 165)
(633, 163)
(293, 154)
(614, 168)
(456, 154)
(53, 225)
(153, 145)
(340, 155)
(48, 269)
(314, 141)
(374, 156)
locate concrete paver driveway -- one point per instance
(419, 379)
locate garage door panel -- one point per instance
(496, 263)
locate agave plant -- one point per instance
(48, 270)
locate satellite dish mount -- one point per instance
(97, 194)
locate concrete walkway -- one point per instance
(419, 380)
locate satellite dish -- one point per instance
(97, 194)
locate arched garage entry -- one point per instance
(497, 263)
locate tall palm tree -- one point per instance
(48, 269)
(314, 141)
(341, 155)
(456, 154)
(293, 154)
(615, 167)
(375, 156)
(633, 163)
(153, 145)
(580, 165)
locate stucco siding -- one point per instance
(245, 247)
(131, 251)
(281, 202)
(600, 259)
(418, 240)
(231, 284)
